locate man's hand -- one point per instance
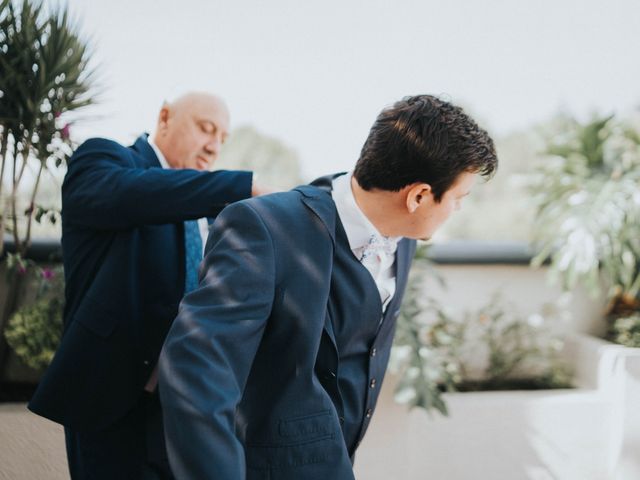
(257, 189)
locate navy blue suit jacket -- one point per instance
(241, 372)
(123, 253)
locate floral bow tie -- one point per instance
(378, 245)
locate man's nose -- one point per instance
(213, 147)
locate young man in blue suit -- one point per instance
(133, 219)
(273, 366)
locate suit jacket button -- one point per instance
(369, 412)
(373, 383)
(341, 419)
(374, 351)
(146, 363)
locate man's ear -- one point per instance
(417, 194)
(163, 117)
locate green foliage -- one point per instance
(588, 206)
(626, 330)
(492, 348)
(43, 77)
(34, 330)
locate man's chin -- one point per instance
(202, 164)
(416, 237)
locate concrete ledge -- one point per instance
(468, 252)
(471, 252)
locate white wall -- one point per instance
(471, 287)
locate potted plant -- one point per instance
(587, 222)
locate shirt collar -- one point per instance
(356, 225)
(158, 152)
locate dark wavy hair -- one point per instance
(427, 140)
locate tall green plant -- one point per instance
(588, 206)
(43, 78)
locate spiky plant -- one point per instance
(43, 77)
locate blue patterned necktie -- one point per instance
(192, 254)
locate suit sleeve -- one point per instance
(207, 356)
(105, 189)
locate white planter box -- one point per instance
(577, 434)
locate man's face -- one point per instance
(194, 134)
(431, 215)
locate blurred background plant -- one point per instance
(625, 330)
(34, 330)
(43, 79)
(439, 350)
(587, 198)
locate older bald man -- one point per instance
(134, 220)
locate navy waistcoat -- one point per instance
(355, 309)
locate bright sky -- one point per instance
(316, 73)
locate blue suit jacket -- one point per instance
(123, 253)
(243, 370)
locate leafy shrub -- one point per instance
(492, 348)
(626, 330)
(34, 330)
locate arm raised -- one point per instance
(104, 189)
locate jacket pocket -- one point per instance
(283, 458)
(307, 428)
(92, 315)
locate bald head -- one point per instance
(191, 130)
(198, 102)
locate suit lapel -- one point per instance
(404, 254)
(317, 198)
(403, 261)
(319, 201)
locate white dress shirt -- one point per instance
(203, 224)
(360, 233)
